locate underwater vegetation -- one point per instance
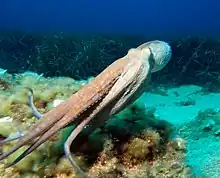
(133, 143)
(196, 60)
(111, 91)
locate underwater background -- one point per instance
(56, 47)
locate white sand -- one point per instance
(168, 110)
(203, 154)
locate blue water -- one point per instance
(170, 18)
(155, 17)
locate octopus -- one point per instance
(116, 87)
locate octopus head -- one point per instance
(161, 53)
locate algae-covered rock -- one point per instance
(7, 128)
(25, 165)
(131, 144)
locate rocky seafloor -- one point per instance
(171, 131)
(133, 144)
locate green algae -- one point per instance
(101, 153)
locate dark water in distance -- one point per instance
(145, 17)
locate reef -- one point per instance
(134, 143)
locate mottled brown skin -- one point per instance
(76, 105)
(115, 88)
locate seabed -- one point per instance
(168, 132)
